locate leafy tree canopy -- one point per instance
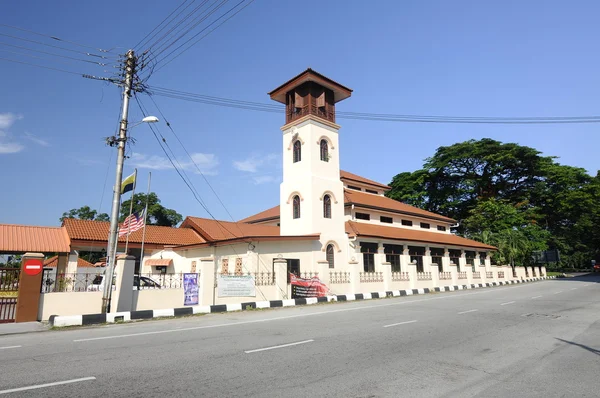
(157, 213)
(85, 213)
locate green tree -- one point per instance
(456, 177)
(157, 213)
(85, 213)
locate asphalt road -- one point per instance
(531, 340)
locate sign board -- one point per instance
(190, 289)
(33, 267)
(545, 256)
(236, 286)
(312, 287)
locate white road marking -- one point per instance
(375, 306)
(279, 346)
(466, 312)
(535, 297)
(58, 383)
(10, 346)
(560, 291)
(400, 323)
(510, 302)
(574, 288)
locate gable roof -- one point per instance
(346, 175)
(378, 202)
(27, 238)
(394, 233)
(98, 231)
(81, 263)
(269, 214)
(215, 232)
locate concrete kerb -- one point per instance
(95, 319)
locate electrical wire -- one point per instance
(55, 38)
(264, 107)
(45, 67)
(56, 55)
(198, 20)
(165, 37)
(201, 38)
(143, 40)
(53, 46)
(193, 189)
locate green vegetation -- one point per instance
(509, 196)
(157, 213)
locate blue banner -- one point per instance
(190, 289)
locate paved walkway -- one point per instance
(23, 327)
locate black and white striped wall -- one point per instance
(95, 319)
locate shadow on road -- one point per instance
(585, 347)
(581, 277)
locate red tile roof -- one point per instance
(345, 175)
(364, 229)
(98, 231)
(26, 238)
(81, 263)
(378, 202)
(214, 231)
(269, 214)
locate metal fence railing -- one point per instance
(89, 282)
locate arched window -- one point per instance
(324, 151)
(296, 205)
(327, 206)
(329, 254)
(297, 151)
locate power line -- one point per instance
(45, 67)
(198, 20)
(194, 191)
(202, 37)
(139, 44)
(191, 158)
(165, 36)
(53, 54)
(273, 108)
(53, 46)
(55, 38)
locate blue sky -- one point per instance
(459, 58)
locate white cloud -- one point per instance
(37, 140)
(258, 180)
(7, 145)
(8, 119)
(254, 163)
(206, 162)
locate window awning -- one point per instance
(159, 262)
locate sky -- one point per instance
(454, 58)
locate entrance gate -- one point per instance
(9, 290)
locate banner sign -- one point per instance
(236, 286)
(302, 288)
(190, 289)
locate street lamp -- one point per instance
(114, 217)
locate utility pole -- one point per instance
(130, 66)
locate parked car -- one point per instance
(145, 282)
(596, 268)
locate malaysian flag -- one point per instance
(132, 224)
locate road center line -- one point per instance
(400, 323)
(560, 291)
(574, 288)
(375, 306)
(10, 346)
(510, 302)
(466, 312)
(279, 346)
(58, 383)
(535, 297)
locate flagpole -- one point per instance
(131, 209)
(144, 233)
